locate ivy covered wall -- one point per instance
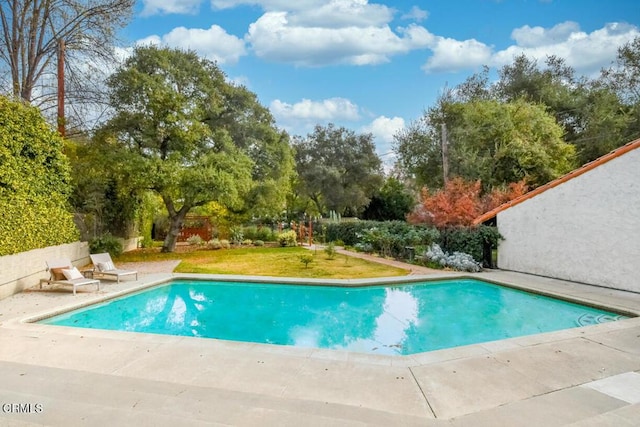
(34, 182)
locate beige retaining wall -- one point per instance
(24, 270)
(130, 244)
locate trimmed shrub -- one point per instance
(225, 244)
(214, 244)
(392, 238)
(367, 248)
(404, 234)
(195, 240)
(105, 243)
(288, 238)
(346, 231)
(258, 243)
(469, 240)
(457, 260)
(260, 233)
(237, 235)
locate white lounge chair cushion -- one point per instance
(72, 274)
(106, 266)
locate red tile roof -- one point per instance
(577, 172)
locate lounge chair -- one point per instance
(62, 272)
(105, 269)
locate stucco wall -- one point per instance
(586, 229)
(24, 270)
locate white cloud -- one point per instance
(341, 14)
(383, 128)
(453, 55)
(316, 33)
(585, 52)
(321, 32)
(273, 37)
(332, 109)
(301, 117)
(417, 37)
(167, 7)
(416, 14)
(269, 5)
(213, 43)
(537, 36)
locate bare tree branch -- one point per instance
(29, 35)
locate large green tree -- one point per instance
(391, 203)
(553, 85)
(595, 115)
(252, 129)
(102, 198)
(418, 149)
(624, 75)
(488, 140)
(34, 182)
(501, 143)
(604, 122)
(167, 135)
(622, 78)
(337, 169)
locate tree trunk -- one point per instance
(445, 154)
(170, 241)
(176, 219)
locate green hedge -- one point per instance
(32, 224)
(348, 232)
(389, 238)
(469, 240)
(34, 182)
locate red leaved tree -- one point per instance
(499, 196)
(460, 202)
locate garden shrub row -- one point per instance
(350, 233)
(263, 233)
(391, 238)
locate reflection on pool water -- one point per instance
(391, 320)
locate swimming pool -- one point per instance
(389, 320)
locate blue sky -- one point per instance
(375, 66)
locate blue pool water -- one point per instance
(392, 320)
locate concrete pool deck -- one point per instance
(63, 376)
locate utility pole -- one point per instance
(61, 119)
(445, 154)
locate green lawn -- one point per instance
(279, 262)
